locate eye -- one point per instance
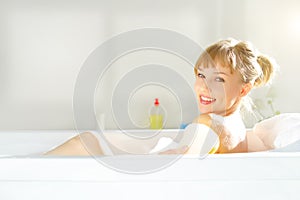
(219, 79)
(200, 75)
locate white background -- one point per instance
(43, 45)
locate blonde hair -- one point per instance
(240, 56)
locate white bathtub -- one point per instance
(25, 174)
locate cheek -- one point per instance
(197, 85)
(233, 93)
(218, 90)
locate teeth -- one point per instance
(206, 99)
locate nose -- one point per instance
(202, 85)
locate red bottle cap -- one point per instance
(156, 103)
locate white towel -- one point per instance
(279, 131)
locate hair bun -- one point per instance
(268, 67)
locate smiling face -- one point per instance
(218, 90)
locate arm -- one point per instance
(228, 142)
(194, 137)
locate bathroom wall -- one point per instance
(45, 44)
(274, 28)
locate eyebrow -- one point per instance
(217, 72)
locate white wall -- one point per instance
(273, 26)
(44, 45)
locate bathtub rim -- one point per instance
(234, 167)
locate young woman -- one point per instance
(225, 73)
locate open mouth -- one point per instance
(206, 100)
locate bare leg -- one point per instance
(84, 145)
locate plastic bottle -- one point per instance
(156, 116)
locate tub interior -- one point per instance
(37, 142)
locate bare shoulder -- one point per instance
(203, 119)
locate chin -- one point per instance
(205, 111)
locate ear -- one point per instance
(246, 89)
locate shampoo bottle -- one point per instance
(156, 116)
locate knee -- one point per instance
(76, 146)
(81, 139)
(86, 136)
(90, 142)
(77, 143)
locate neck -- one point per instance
(233, 109)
